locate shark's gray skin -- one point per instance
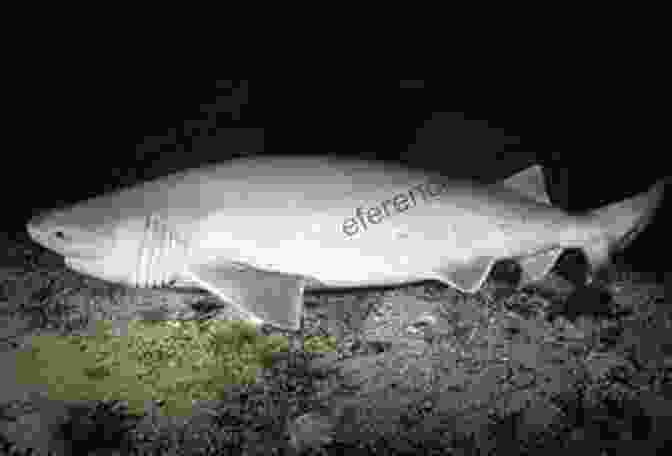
(258, 231)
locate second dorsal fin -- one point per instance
(529, 182)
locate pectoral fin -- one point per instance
(468, 277)
(262, 296)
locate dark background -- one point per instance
(80, 135)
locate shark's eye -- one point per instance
(59, 235)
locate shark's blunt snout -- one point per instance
(39, 233)
(33, 228)
(61, 240)
(38, 221)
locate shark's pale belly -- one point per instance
(325, 269)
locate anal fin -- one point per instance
(536, 267)
(262, 296)
(597, 253)
(467, 277)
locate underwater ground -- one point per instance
(421, 369)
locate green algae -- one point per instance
(173, 362)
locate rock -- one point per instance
(311, 430)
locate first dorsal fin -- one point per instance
(529, 182)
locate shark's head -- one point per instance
(90, 242)
(114, 237)
(74, 232)
(62, 231)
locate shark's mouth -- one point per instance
(161, 257)
(75, 264)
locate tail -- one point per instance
(620, 223)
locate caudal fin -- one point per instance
(620, 223)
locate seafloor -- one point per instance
(419, 369)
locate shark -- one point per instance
(259, 231)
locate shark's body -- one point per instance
(257, 231)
